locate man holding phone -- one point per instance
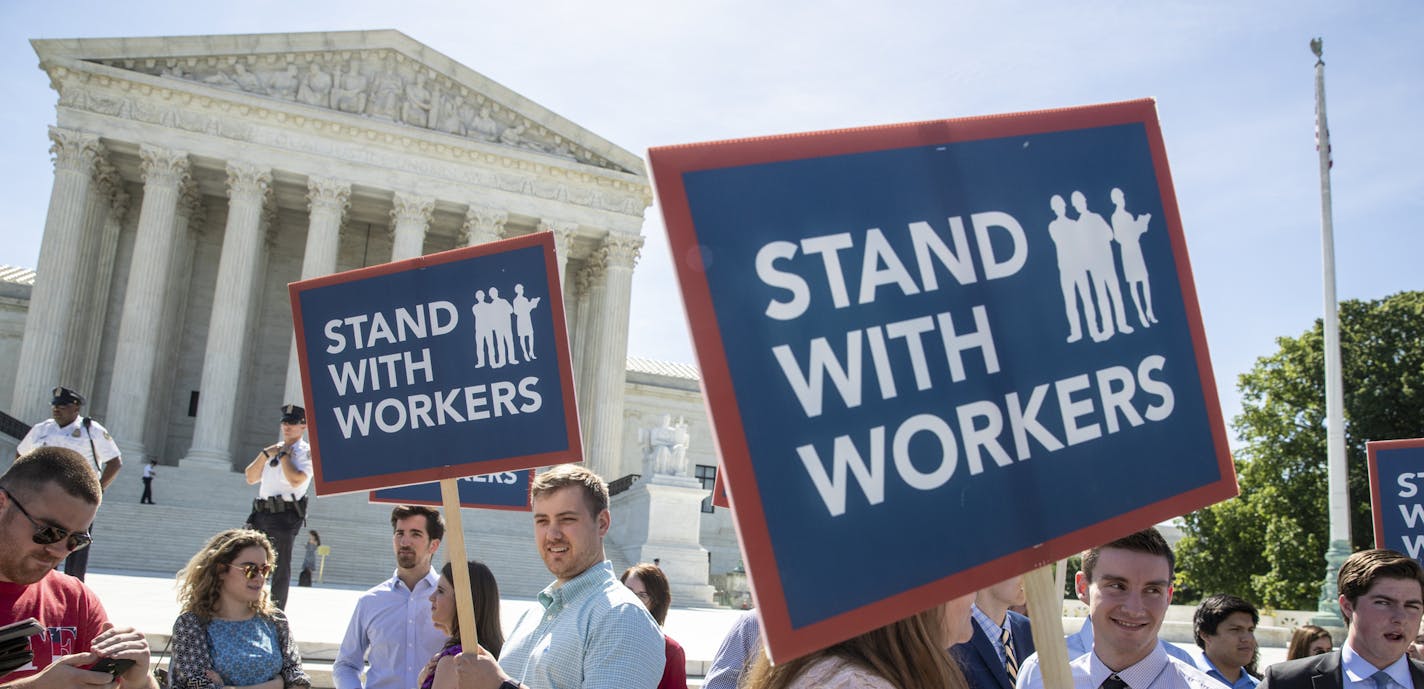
(48, 498)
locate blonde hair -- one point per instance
(200, 583)
(910, 654)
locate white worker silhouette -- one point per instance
(1097, 237)
(523, 326)
(484, 332)
(500, 312)
(1127, 232)
(1072, 271)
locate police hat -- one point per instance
(292, 413)
(63, 395)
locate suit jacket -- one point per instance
(980, 662)
(1321, 672)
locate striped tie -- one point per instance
(1011, 663)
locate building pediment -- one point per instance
(381, 75)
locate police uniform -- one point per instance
(83, 435)
(280, 507)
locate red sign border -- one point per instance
(574, 453)
(1372, 447)
(669, 163)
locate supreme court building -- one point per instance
(194, 177)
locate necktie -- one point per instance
(1011, 662)
(1114, 682)
(1381, 679)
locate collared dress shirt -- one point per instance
(274, 482)
(1359, 673)
(742, 642)
(1157, 671)
(991, 630)
(1203, 663)
(589, 633)
(390, 629)
(1081, 642)
(75, 437)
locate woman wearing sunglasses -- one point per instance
(229, 634)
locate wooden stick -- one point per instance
(1045, 608)
(455, 555)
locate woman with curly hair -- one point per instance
(906, 654)
(439, 673)
(229, 634)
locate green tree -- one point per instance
(1268, 544)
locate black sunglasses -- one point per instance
(49, 535)
(251, 571)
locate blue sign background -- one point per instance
(1393, 499)
(507, 490)
(737, 210)
(453, 361)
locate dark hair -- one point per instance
(314, 536)
(1214, 610)
(1145, 541)
(61, 466)
(595, 491)
(1303, 638)
(659, 593)
(1361, 570)
(434, 523)
(484, 591)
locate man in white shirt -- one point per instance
(391, 627)
(282, 471)
(1129, 587)
(1382, 600)
(68, 429)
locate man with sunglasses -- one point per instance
(67, 428)
(47, 499)
(282, 471)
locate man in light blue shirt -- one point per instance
(391, 628)
(743, 642)
(590, 631)
(1225, 631)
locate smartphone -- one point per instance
(113, 666)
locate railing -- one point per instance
(617, 485)
(13, 427)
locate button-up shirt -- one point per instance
(1157, 671)
(1082, 642)
(1359, 673)
(1244, 681)
(990, 628)
(76, 436)
(743, 641)
(390, 629)
(274, 482)
(589, 633)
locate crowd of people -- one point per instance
(594, 629)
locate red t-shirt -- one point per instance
(70, 613)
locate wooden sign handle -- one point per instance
(455, 555)
(1045, 608)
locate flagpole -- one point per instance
(1338, 495)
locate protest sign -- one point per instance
(507, 490)
(939, 354)
(447, 365)
(1397, 494)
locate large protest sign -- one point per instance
(1397, 494)
(507, 490)
(448, 365)
(939, 354)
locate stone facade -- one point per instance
(196, 176)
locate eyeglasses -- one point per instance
(251, 571)
(46, 534)
(643, 596)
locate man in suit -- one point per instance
(987, 661)
(1382, 600)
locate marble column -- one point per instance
(484, 225)
(564, 233)
(53, 296)
(410, 217)
(594, 277)
(167, 401)
(104, 279)
(609, 368)
(579, 328)
(232, 310)
(327, 201)
(140, 330)
(85, 321)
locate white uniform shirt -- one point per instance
(274, 483)
(76, 437)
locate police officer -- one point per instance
(68, 429)
(284, 470)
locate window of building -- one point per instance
(708, 476)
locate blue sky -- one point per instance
(1234, 84)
